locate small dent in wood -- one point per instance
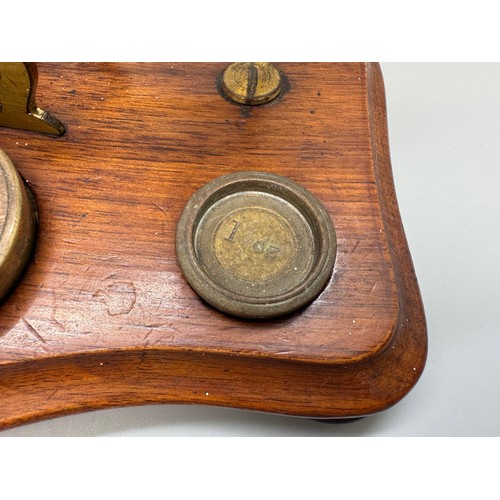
(119, 297)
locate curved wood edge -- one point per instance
(60, 386)
(411, 331)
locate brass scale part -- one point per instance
(17, 100)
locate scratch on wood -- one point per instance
(34, 332)
(108, 258)
(172, 327)
(79, 291)
(58, 323)
(53, 394)
(146, 337)
(356, 246)
(160, 208)
(286, 117)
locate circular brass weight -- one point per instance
(255, 245)
(17, 225)
(251, 83)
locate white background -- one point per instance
(444, 130)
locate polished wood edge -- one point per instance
(411, 327)
(60, 386)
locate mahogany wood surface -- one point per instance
(104, 317)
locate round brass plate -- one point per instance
(17, 225)
(255, 245)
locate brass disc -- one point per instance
(255, 245)
(17, 225)
(251, 83)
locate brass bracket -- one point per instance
(17, 100)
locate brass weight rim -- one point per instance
(17, 225)
(291, 215)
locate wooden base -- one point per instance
(104, 317)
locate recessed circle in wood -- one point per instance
(256, 245)
(17, 225)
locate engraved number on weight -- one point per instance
(262, 246)
(233, 232)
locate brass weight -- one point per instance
(17, 225)
(255, 244)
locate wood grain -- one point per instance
(103, 316)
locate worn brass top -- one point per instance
(18, 108)
(251, 83)
(255, 245)
(17, 225)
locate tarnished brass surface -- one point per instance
(17, 100)
(251, 83)
(17, 225)
(255, 245)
